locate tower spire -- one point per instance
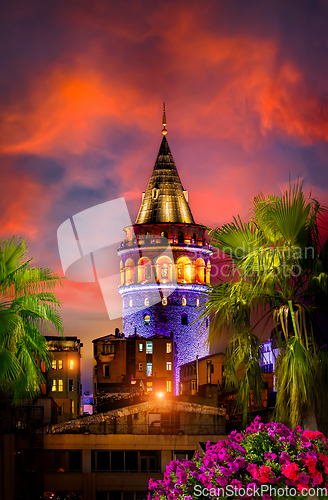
(164, 131)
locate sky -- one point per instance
(81, 90)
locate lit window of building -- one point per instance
(70, 385)
(54, 364)
(149, 386)
(169, 366)
(149, 369)
(184, 301)
(149, 347)
(131, 303)
(60, 364)
(146, 319)
(197, 302)
(146, 302)
(164, 301)
(71, 364)
(168, 347)
(54, 385)
(60, 385)
(72, 406)
(141, 347)
(168, 386)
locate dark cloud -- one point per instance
(44, 170)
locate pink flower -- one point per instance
(222, 481)
(304, 478)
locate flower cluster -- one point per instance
(265, 455)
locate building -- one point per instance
(132, 365)
(197, 375)
(112, 456)
(63, 379)
(165, 266)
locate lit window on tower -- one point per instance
(164, 271)
(146, 319)
(164, 301)
(131, 303)
(168, 347)
(146, 302)
(169, 366)
(197, 302)
(184, 301)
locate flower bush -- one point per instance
(266, 461)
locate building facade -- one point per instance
(132, 365)
(202, 372)
(112, 456)
(165, 266)
(63, 379)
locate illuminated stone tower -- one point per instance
(165, 266)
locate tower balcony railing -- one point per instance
(159, 241)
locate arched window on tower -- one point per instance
(144, 270)
(180, 238)
(164, 269)
(122, 273)
(208, 273)
(129, 272)
(194, 237)
(184, 270)
(200, 271)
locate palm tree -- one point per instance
(27, 307)
(277, 272)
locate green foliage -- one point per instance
(277, 271)
(28, 306)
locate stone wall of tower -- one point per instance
(190, 339)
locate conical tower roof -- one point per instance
(165, 199)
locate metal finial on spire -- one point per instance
(164, 131)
